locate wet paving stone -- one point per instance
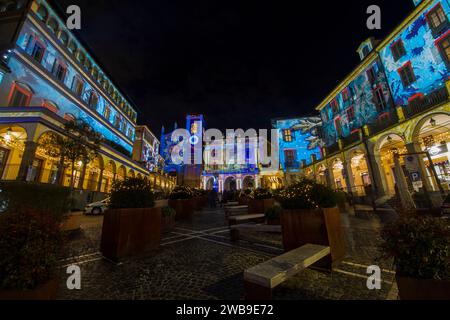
(197, 261)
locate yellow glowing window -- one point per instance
(287, 135)
(194, 128)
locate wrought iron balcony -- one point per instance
(386, 120)
(353, 138)
(292, 165)
(429, 101)
(333, 148)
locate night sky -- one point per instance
(240, 63)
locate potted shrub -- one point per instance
(56, 200)
(30, 244)
(244, 197)
(273, 215)
(420, 247)
(261, 200)
(132, 224)
(310, 216)
(168, 219)
(181, 199)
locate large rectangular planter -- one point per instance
(422, 289)
(321, 227)
(128, 232)
(44, 292)
(259, 206)
(184, 208)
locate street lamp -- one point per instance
(433, 122)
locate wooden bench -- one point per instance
(239, 219)
(260, 280)
(230, 204)
(235, 230)
(235, 210)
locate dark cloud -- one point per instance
(238, 62)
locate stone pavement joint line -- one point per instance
(198, 261)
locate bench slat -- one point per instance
(258, 228)
(247, 217)
(271, 273)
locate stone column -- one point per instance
(100, 180)
(330, 178)
(27, 160)
(376, 176)
(82, 176)
(349, 179)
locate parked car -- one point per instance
(446, 206)
(97, 208)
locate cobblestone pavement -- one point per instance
(197, 261)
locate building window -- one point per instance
(351, 114)
(345, 95)
(50, 106)
(59, 70)
(117, 121)
(365, 51)
(53, 25)
(371, 75)
(69, 117)
(19, 96)
(380, 101)
(437, 20)
(398, 50)
(64, 38)
(93, 100)
(287, 135)
(289, 156)
(334, 106)
(107, 113)
(338, 126)
(407, 74)
(444, 48)
(77, 86)
(38, 51)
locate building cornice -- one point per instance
(63, 51)
(70, 96)
(375, 53)
(54, 122)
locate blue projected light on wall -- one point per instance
(362, 102)
(299, 141)
(423, 55)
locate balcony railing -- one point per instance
(386, 120)
(292, 165)
(333, 149)
(427, 102)
(353, 138)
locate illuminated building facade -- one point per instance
(48, 77)
(224, 172)
(395, 102)
(300, 143)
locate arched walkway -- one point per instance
(389, 145)
(230, 184)
(337, 167)
(210, 183)
(248, 183)
(432, 135)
